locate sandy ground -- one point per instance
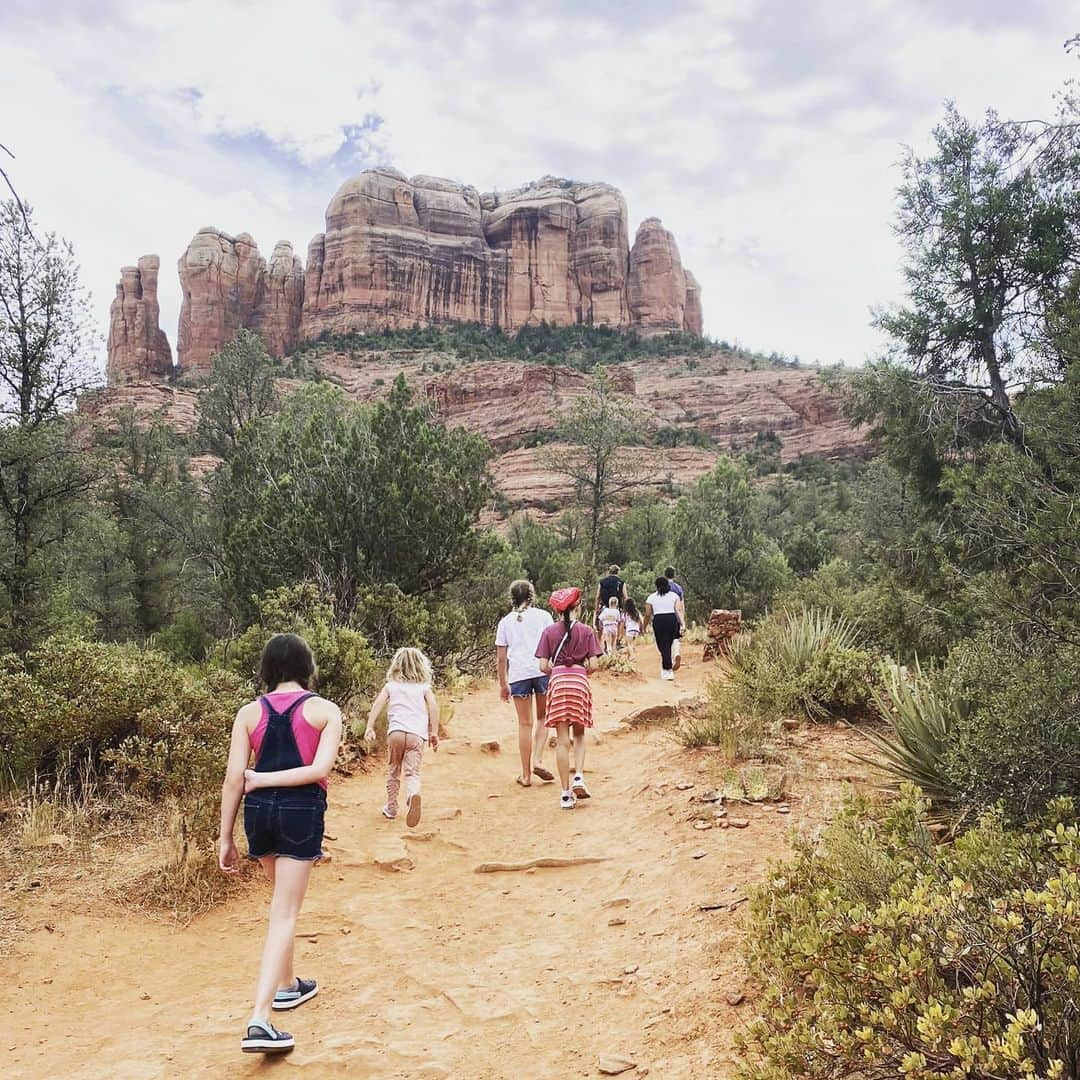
(432, 969)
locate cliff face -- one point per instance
(398, 251)
(138, 348)
(226, 285)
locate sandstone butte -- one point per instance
(400, 251)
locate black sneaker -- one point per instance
(266, 1039)
(304, 990)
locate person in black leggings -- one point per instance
(663, 610)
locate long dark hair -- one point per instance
(631, 610)
(663, 585)
(287, 658)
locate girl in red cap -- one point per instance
(568, 650)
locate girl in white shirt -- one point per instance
(412, 719)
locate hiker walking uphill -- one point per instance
(520, 677)
(568, 651)
(294, 735)
(412, 721)
(609, 587)
(664, 611)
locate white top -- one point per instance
(519, 633)
(663, 605)
(632, 626)
(407, 709)
(609, 619)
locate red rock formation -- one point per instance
(227, 286)
(693, 319)
(657, 286)
(138, 349)
(279, 305)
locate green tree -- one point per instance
(724, 558)
(239, 389)
(346, 495)
(599, 426)
(44, 365)
(990, 222)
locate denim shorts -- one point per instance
(528, 687)
(285, 823)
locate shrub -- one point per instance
(347, 670)
(726, 722)
(881, 954)
(1018, 742)
(806, 663)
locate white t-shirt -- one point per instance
(407, 709)
(663, 605)
(519, 632)
(609, 619)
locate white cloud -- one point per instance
(764, 135)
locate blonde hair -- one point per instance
(613, 602)
(409, 665)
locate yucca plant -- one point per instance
(921, 712)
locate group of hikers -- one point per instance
(543, 663)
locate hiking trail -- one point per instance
(428, 968)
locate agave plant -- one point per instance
(921, 713)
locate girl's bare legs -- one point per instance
(523, 707)
(291, 878)
(540, 732)
(579, 749)
(562, 754)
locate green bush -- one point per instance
(725, 722)
(1019, 741)
(806, 663)
(347, 670)
(882, 955)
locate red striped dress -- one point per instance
(569, 699)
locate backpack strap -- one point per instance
(287, 713)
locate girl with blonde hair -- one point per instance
(412, 719)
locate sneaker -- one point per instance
(388, 813)
(304, 990)
(263, 1038)
(567, 801)
(667, 674)
(578, 787)
(412, 804)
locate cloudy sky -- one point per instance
(765, 133)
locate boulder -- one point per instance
(138, 350)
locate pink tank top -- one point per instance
(307, 737)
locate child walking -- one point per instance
(412, 715)
(610, 618)
(631, 626)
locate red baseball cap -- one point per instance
(564, 599)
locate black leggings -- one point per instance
(665, 630)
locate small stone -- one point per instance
(711, 795)
(617, 901)
(790, 723)
(490, 747)
(144, 996)
(719, 813)
(613, 1064)
(630, 969)
(684, 785)
(738, 822)
(448, 815)
(734, 997)
(701, 826)
(783, 808)
(616, 922)
(699, 855)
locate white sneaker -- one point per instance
(567, 801)
(578, 787)
(667, 674)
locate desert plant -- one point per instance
(882, 954)
(725, 722)
(922, 713)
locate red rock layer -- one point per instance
(657, 289)
(138, 349)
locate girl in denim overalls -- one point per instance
(294, 737)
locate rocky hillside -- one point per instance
(711, 401)
(399, 252)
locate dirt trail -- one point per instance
(438, 971)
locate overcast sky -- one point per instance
(765, 133)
